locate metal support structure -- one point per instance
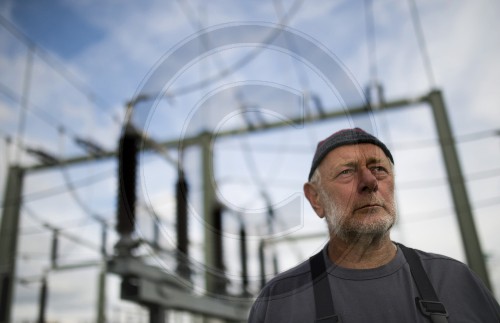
(101, 288)
(151, 286)
(156, 314)
(470, 239)
(43, 300)
(209, 202)
(8, 240)
(8, 233)
(101, 294)
(202, 138)
(8, 246)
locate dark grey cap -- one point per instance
(342, 138)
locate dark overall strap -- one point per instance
(429, 303)
(322, 294)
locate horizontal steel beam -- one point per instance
(150, 144)
(149, 285)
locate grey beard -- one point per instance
(337, 221)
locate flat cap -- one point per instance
(342, 138)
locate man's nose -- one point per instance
(367, 181)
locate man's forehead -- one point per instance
(356, 153)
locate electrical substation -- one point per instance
(172, 241)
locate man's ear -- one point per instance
(311, 193)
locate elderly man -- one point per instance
(361, 275)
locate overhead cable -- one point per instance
(73, 238)
(87, 144)
(56, 66)
(371, 43)
(24, 103)
(241, 62)
(72, 189)
(417, 25)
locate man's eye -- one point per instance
(345, 172)
(378, 170)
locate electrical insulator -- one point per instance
(181, 192)
(262, 263)
(244, 257)
(127, 169)
(53, 254)
(220, 279)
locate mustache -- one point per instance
(374, 201)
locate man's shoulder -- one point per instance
(291, 280)
(283, 295)
(440, 265)
(436, 258)
(458, 287)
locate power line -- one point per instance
(67, 225)
(56, 190)
(50, 120)
(61, 189)
(38, 112)
(74, 194)
(24, 103)
(402, 145)
(249, 161)
(283, 15)
(90, 180)
(426, 183)
(300, 73)
(422, 43)
(23, 100)
(405, 185)
(458, 139)
(47, 118)
(56, 66)
(371, 42)
(487, 202)
(447, 212)
(479, 135)
(241, 62)
(61, 231)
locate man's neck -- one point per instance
(364, 252)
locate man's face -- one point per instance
(356, 191)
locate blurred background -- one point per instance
(153, 153)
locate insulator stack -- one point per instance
(127, 169)
(181, 191)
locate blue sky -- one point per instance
(65, 24)
(91, 57)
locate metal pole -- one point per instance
(156, 314)
(101, 295)
(208, 207)
(43, 300)
(473, 251)
(195, 140)
(8, 240)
